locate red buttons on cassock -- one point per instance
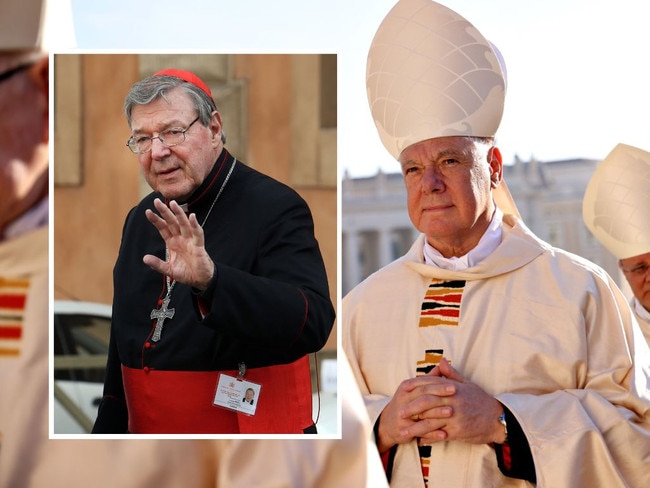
(146, 369)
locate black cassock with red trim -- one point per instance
(267, 305)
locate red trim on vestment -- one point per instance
(13, 302)
(214, 178)
(507, 456)
(204, 305)
(385, 459)
(445, 312)
(174, 402)
(180, 402)
(11, 332)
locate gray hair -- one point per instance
(487, 140)
(154, 87)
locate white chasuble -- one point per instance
(546, 332)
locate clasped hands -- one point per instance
(188, 261)
(440, 406)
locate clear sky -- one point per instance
(578, 74)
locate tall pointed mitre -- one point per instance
(616, 204)
(36, 25)
(431, 73)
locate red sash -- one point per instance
(180, 402)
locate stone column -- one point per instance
(351, 269)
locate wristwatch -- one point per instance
(502, 419)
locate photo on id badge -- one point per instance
(237, 394)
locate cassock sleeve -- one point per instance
(284, 303)
(514, 457)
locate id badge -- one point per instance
(235, 393)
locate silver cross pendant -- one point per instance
(160, 315)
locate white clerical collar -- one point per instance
(640, 309)
(488, 243)
(32, 219)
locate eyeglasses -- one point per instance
(169, 137)
(10, 72)
(637, 271)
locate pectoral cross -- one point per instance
(160, 315)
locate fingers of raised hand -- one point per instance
(187, 226)
(177, 219)
(156, 264)
(161, 220)
(171, 220)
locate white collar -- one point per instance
(488, 243)
(640, 309)
(34, 218)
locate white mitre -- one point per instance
(36, 25)
(616, 204)
(431, 73)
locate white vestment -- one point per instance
(642, 316)
(352, 461)
(546, 332)
(27, 457)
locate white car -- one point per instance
(81, 334)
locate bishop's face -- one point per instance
(448, 184)
(637, 271)
(176, 171)
(23, 139)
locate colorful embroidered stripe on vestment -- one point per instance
(13, 296)
(441, 306)
(431, 359)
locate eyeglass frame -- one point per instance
(14, 71)
(161, 137)
(637, 271)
